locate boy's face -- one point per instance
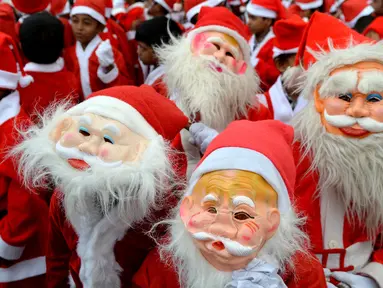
(258, 24)
(156, 10)
(283, 63)
(85, 28)
(146, 54)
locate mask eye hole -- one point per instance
(212, 210)
(374, 97)
(241, 216)
(84, 131)
(108, 139)
(345, 97)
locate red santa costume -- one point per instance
(264, 50)
(309, 4)
(288, 34)
(7, 21)
(215, 99)
(61, 9)
(193, 7)
(23, 220)
(238, 147)
(86, 63)
(354, 10)
(336, 181)
(97, 223)
(376, 26)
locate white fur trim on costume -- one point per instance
(260, 11)
(131, 35)
(116, 109)
(248, 160)
(45, 68)
(23, 270)
(154, 75)
(107, 77)
(196, 9)
(366, 11)
(108, 12)
(277, 52)
(9, 108)
(9, 80)
(117, 11)
(241, 41)
(164, 4)
(135, 5)
(311, 5)
(83, 61)
(254, 52)
(7, 251)
(71, 281)
(375, 271)
(88, 11)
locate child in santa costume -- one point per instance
(308, 7)
(109, 160)
(209, 76)
(193, 7)
(262, 15)
(42, 43)
(339, 152)
(374, 31)
(357, 14)
(162, 7)
(8, 21)
(152, 34)
(23, 213)
(235, 226)
(283, 102)
(95, 62)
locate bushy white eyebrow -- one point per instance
(238, 200)
(209, 198)
(220, 41)
(112, 128)
(84, 119)
(370, 81)
(338, 83)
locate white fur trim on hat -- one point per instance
(216, 28)
(235, 158)
(336, 5)
(9, 80)
(366, 11)
(118, 110)
(277, 52)
(196, 9)
(215, 3)
(260, 11)
(311, 5)
(88, 11)
(164, 4)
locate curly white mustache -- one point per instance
(342, 121)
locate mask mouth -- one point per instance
(78, 164)
(218, 245)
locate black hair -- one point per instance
(42, 38)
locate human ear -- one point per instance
(274, 218)
(319, 106)
(60, 128)
(186, 205)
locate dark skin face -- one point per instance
(156, 10)
(259, 25)
(378, 7)
(286, 62)
(146, 54)
(85, 28)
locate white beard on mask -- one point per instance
(194, 271)
(351, 166)
(219, 98)
(130, 190)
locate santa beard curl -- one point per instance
(353, 167)
(194, 271)
(220, 98)
(130, 191)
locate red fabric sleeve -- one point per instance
(58, 253)
(259, 113)
(124, 77)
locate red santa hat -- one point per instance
(240, 147)
(29, 6)
(7, 21)
(93, 8)
(193, 7)
(267, 8)
(108, 8)
(139, 108)
(336, 5)
(220, 19)
(353, 10)
(323, 50)
(169, 5)
(59, 7)
(288, 35)
(309, 4)
(376, 26)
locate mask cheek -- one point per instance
(199, 42)
(241, 67)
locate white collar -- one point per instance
(9, 107)
(46, 68)
(91, 46)
(154, 75)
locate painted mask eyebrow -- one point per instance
(219, 40)
(85, 120)
(209, 198)
(238, 200)
(113, 129)
(370, 81)
(341, 82)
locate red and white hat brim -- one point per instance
(310, 5)
(257, 10)
(88, 11)
(278, 52)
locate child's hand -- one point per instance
(104, 54)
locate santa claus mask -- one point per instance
(350, 100)
(91, 139)
(222, 49)
(230, 215)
